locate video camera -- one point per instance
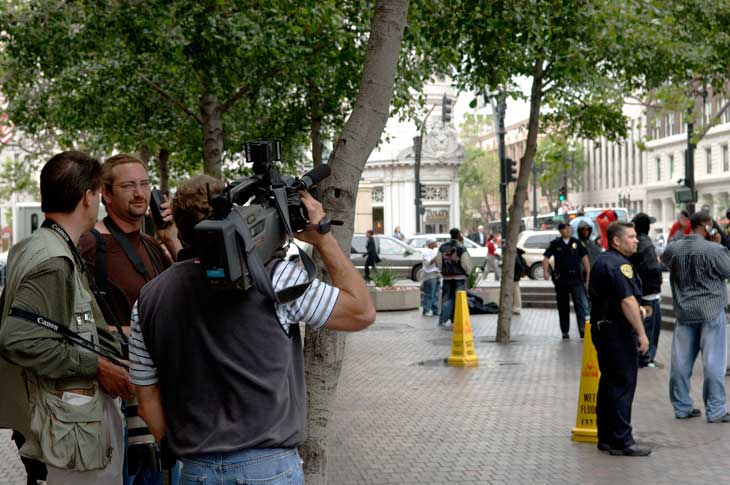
(253, 218)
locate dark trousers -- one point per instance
(369, 263)
(448, 298)
(580, 301)
(618, 361)
(653, 327)
(35, 470)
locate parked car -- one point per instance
(478, 253)
(395, 255)
(534, 244)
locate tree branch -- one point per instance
(234, 98)
(175, 102)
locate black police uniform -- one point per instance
(568, 282)
(613, 279)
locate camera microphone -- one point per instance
(313, 177)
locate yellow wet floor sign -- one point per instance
(462, 341)
(585, 429)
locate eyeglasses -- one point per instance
(143, 185)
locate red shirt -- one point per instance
(604, 219)
(675, 229)
(491, 250)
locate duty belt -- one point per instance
(602, 322)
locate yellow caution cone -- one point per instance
(586, 429)
(462, 341)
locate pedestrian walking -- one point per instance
(431, 283)
(490, 265)
(455, 264)
(479, 236)
(521, 270)
(371, 254)
(681, 226)
(699, 266)
(647, 265)
(618, 335)
(569, 255)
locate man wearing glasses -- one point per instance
(122, 260)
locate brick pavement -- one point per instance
(507, 421)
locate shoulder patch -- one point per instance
(627, 270)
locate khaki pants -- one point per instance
(112, 474)
(516, 298)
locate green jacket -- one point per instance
(38, 365)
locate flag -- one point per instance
(6, 129)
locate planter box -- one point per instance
(395, 298)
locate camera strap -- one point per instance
(98, 294)
(69, 335)
(126, 246)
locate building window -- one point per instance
(725, 160)
(671, 167)
(670, 119)
(436, 192)
(708, 159)
(658, 163)
(377, 194)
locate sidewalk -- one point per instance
(507, 421)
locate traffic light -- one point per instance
(446, 107)
(511, 170)
(422, 191)
(563, 194)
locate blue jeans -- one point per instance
(151, 477)
(580, 302)
(652, 327)
(259, 465)
(709, 337)
(430, 295)
(448, 298)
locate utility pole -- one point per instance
(534, 196)
(417, 147)
(689, 161)
(500, 110)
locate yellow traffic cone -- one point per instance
(586, 429)
(462, 341)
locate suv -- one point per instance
(395, 255)
(478, 253)
(534, 244)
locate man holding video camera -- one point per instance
(220, 374)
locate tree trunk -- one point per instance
(145, 153)
(212, 116)
(518, 202)
(164, 168)
(490, 213)
(315, 123)
(324, 349)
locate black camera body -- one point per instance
(251, 220)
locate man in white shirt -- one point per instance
(431, 283)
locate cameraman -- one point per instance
(243, 402)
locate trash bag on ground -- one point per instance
(478, 307)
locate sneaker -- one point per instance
(633, 450)
(604, 447)
(428, 314)
(695, 413)
(721, 419)
(566, 336)
(652, 365)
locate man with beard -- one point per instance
(122, 260)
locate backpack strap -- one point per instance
(101, 273)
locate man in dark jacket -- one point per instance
(584, 236)
(455, 264)
(371, 255)
(647, 265)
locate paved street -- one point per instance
(403, 417)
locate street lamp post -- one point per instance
(417, 148)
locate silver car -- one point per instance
(395, 255)
(477, 253)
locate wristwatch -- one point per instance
(324, 226)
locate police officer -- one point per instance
(569, 280)
(617, 317)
